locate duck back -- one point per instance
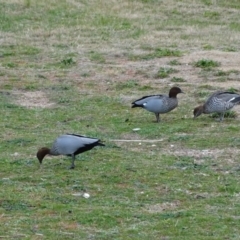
(69, 144)
(141, 101)
(221, 102)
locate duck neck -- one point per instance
(42, 153)
(172, 95)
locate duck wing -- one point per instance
(144, 100)
(228, 96)
(71, 143)
(161, 105)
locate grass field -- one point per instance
(75, 66)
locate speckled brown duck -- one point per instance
(218, 102)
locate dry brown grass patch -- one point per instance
(161, 207)
(36, 99)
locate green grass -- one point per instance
(75, 67)
(164, 72)
(174, 62)
(218, 75)
(157, 53)
(228, 114)
(178, 79)
(96, 57)
(206, 64)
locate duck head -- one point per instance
(197, 111)
(42, 152)
(174, 91)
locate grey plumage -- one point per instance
(69, 145)
(159, 104)
(218, 102)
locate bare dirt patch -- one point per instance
(36, 99)
(198, 154)
(166, 206)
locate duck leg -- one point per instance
(72, 165)
(221, 117)
(157, 117)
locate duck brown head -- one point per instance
(174, 91)
(42, 152)
(198, 111)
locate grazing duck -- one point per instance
(159, 103)
(218, 102)
(69, 145)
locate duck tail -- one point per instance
(235, 100)
(134, 105)
(101, 144)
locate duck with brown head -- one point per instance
(69, 145)
(159, 104)
(218, 102)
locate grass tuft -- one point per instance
(68, 62)
(27, 3)
(174, 62)
(129, 84)
(228, 114)
(96, 57)
(206, 64)
(164, 72)
(178, 79)
(156, 53)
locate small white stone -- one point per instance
(171, 145)
(140, 144)
(136, 129)
(86, 195)
(153, 145)
(15, 154)
(77, 194)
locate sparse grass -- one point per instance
(228, 114)
(212, 15)
(27, 3)
(208, 47)
(96, 57)
(129, 84)
(67, 62)
(232, 89)
(203, 93)
(178, 79)
(221, 73)
(174, 62)
(206, 64)
(156, 53)
(218, 75)
(230, 49)
(164, 72)
(226, 73)
(75, 67)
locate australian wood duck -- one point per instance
(218, 102)
(69, 145)
(159, 103)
